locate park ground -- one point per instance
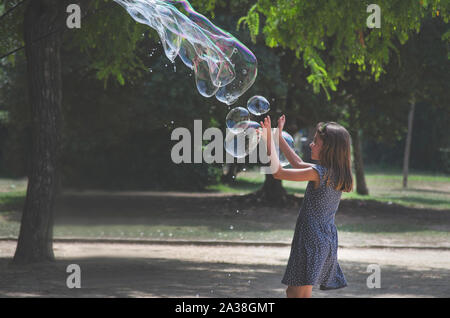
(161, 270)
(220, 244)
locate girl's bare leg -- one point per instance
(299, 291)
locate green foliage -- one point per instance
(330, 36)
(117, 130)
(10, 29)
(252, 21)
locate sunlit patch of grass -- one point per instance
(428, 191)
(12, 200)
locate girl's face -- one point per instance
(315, 146)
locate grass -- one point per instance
(234, 231)
(11, 200)
(426, 191)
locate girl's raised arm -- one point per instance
(289, 153)
(306, 174)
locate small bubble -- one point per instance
(231, 227)
(244, 71)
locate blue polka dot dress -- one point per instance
(313, 257)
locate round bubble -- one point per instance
(238, 119)
(258, 105)
(242, 144)
(290, 141)
(223, 66)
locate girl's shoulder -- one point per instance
(324, 176)
(320, 169)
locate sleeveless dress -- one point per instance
(313, 257)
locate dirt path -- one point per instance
(134, 270)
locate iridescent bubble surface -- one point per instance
(223, 66)
(258, 105)
(243, 143)
(238, 119)
(290, 141)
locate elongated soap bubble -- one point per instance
(203, 80)
(223, 66)
(238, 119)
(258, 105)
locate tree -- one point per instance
(332, 39)
(332, 35)
(110, 40)
(44, 84)
(43, 24)
(424, 60)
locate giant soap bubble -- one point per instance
(223, 66)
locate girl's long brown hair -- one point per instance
(335, 155)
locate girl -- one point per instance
(313, 257)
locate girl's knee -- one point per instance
(298, 291)
(289, 292)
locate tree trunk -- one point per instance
(408, 143)
(272, 191)
(230, 174)
(42, 48)
(361, 186)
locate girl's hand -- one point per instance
(267, 132)
(266, 123)
(266, 126)
(281, 122)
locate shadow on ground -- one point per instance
(158, 277)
